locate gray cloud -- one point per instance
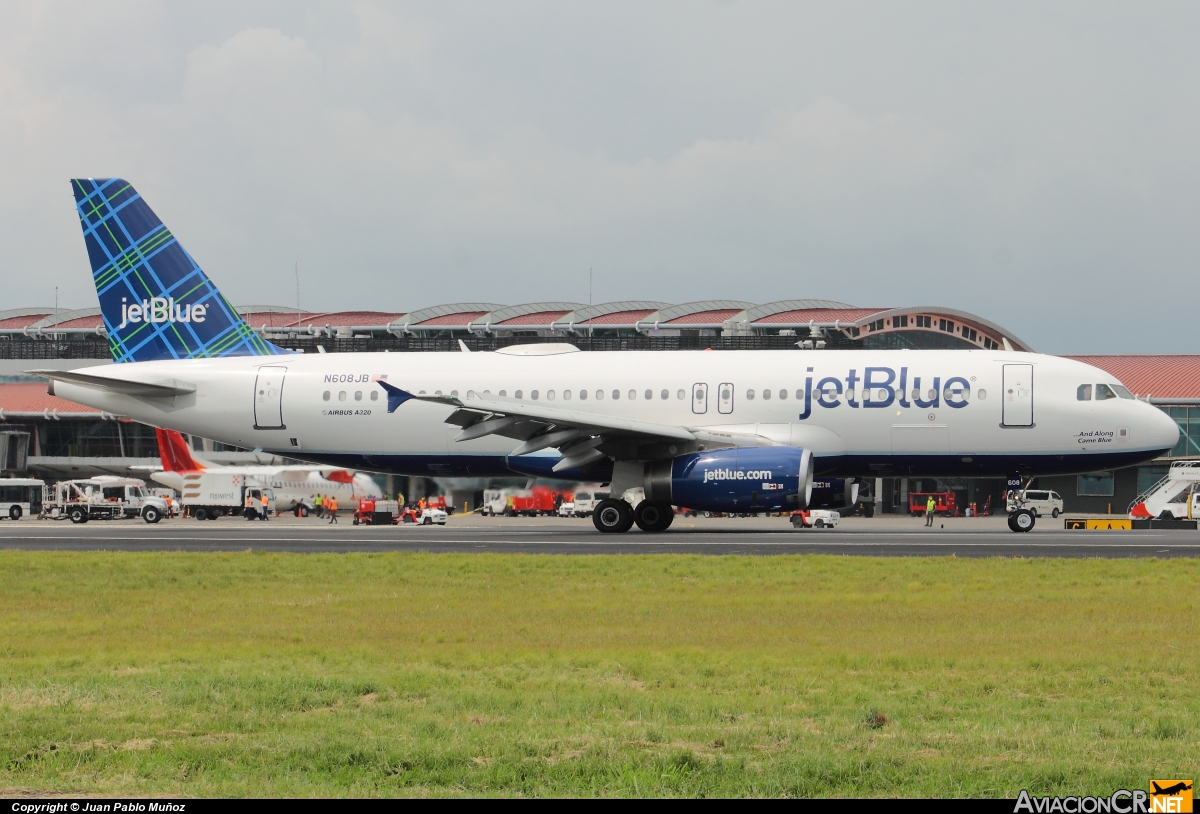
(1036, 165)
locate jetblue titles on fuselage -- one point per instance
(882, 387)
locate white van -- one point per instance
(586, 500)
(1041, 502)
(20, 497)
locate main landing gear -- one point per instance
(615, 516)
(1021, 520)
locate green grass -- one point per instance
(253, 674)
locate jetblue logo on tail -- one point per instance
(161, 309)
(156, 301)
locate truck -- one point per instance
(103, 498)
(209, 495)
(20, 497)
(943, 503)
(815, 519)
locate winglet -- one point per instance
(395, 395)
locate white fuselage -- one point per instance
(329, 408)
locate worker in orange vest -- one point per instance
(331, 508)
(249, 506)
(265, 512)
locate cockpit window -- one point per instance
(1084, 393)
(1103, 391)
(1122, 391)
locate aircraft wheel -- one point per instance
(151, 515)
(1021, 520)
(613, 516)
(14, 513)
(78, 515)
(653, 516)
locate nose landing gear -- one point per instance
(1021, 520)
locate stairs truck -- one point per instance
(1175, 497)
(209, 495)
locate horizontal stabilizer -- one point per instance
(163, 388)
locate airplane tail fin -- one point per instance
(174, 453)
(156, 301)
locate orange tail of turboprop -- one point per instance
(174, 452)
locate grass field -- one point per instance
(252, 674)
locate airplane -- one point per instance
(1170, 791)
(713, 430)
(295, 486)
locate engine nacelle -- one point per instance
(739, 479)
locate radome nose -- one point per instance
(1161, 430)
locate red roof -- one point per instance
(459, 320)
(618, 317)
(1157, 376)
(283, 319)
(21, 322)
(31, 397)
(536, 318)
(81, 322)
(820, 315)
(706, 317)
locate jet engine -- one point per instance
(734, 480)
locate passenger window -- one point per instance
(632, 395)
(750, 395)
(358, 395)
(325, 396)
(1104, 392)
(666, 394)
(1084, 393)
(783, 394)
(599, 395)
(566, 395)
(1122, 391)
(583, 395)
(341, 395)
(680, 394)
(799, 394)
(767, 395)
(649, 395)
(616, 395)
(502, 393)
(982, 395)
(374, 395)
(550, 395)
(517, 393)
(454, 393)
(533, 395)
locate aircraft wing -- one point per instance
(581, 437)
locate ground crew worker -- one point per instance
(331, 507)
(421, 504)
(249, 505)
(930, 507)
(317, 505)
(264, 506)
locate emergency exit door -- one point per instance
(699, 398)
(725, 398)
(1018, 396)
(268, 398)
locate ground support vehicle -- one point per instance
(103, 498)
(1173, 497)
(209, 495)
(423, 517)
(585, 500)
(815, 519)
(1041, 502)
(943, 503)
(21, 497)
(567, 509)
(373, 512)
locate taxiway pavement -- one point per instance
(856, 536)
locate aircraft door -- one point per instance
(725, 398)
(699, 398)
(268, 398)
(1018, 396)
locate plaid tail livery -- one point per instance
(156, 302)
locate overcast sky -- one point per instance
(1034, 163)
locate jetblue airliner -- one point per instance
(711, 430)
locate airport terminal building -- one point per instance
(53, 438)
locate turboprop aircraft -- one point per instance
(295, 486)
(711, 430)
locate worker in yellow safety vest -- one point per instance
(930, 508)
(318, 504)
